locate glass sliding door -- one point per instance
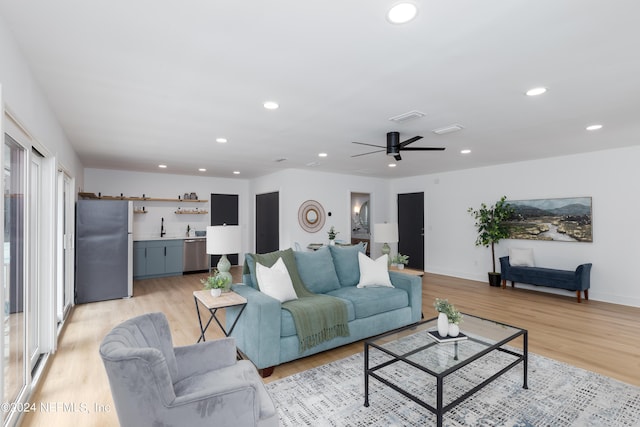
(14, 372)
(33, 296)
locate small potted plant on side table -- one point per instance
(400, 261)
(215, 283)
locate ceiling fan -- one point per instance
(394, 146)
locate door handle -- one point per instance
(165, 251)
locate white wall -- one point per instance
(24, 99)
(610, 177)
(333, 192)
(163, 185)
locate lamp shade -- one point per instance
(385, 233)
(223, 239)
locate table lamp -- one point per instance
(385, 233)
(223, 240)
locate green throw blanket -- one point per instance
(317, 318)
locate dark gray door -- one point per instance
(267, 218)
(411, 228)
(224, 210)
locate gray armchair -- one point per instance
(153, 383)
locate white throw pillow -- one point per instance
(521, 257)
(374, 273)
(275, 281)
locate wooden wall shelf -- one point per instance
(140, 199)
(191, 212)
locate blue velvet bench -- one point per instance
(578, 280)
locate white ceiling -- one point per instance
(142, 82)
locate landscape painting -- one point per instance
(567, 219)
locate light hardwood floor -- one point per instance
(597, 336)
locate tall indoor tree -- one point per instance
(492, 227)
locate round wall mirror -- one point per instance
(311, 216)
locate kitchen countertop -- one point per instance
(157, 237)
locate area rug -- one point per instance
(558, 395)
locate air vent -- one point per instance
(401, 118)
(313, 164)
(447, 129)
(281, 159)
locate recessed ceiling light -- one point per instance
(402, 13)
(465, 151)
(221, 140)
(322, 154)
(594, 127)
(392, 165)
(202, 170)
(448, 129)
(236, 172)
(162, 166)
(270, 105)
(536, 91)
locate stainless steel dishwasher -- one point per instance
(194, 257)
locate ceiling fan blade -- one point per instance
(423, 149)
(409, 141)
(370, 145)
(397, 157)
(370, 152)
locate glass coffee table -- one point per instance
(411, 362)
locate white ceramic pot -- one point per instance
(332, 242)
(454, 329)
(216, 292)
(443, 325)
(400, 266)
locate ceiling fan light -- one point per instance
(594, 127)
(392, 165)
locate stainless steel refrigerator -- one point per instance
(104, 250)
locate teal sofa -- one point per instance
(266, 333)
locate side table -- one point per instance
(407, 270)
(213, 304)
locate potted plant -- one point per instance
(442, 307)
(454, 317)
(332, 235)
(400, 260)
(215, 283)
(449, 318)
(490, 222)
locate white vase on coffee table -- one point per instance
(454, 329)
(443, 324)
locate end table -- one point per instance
(213, 304)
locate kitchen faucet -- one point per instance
(162, 232)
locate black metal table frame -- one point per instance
(440, 408)
(213, 312)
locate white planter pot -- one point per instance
(332, 242)
(443, 325)
(454, 330)
(216, 292)
(400, 266)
